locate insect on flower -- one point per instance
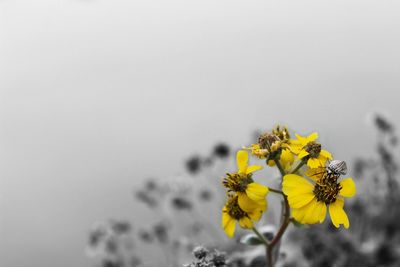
(332, 172)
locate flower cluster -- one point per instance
(311, 183)
(246, 198)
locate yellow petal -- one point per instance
(321, 210)
(322, 160)
(298, 190)
(257, 192)
(348, 188)
(316, 214)
(314, 163)
(338, 215)
(246, 223)
(302, 140)
(246, 204)
(295, 146)
(302, 154)
(256, 214)
(298, 214)
(295, 184)
(225, 217)
(300, 200)
(316, 173)
(325, 154)
(311, 213)
(242, 158)
(228, 224)
(312, 137)
(253, 168)
(287, 159)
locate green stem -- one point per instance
(275, 191)
(260, 236)
(278, 164)
(298, 166)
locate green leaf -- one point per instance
(251, 240)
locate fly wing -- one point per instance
(316, 174)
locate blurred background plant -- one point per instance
(186, 212)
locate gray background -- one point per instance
(96, 95)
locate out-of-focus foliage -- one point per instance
(204, 258)
(111, 244)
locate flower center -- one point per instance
(237, 182)
(313, 148)
(234, 210)
(327, 191)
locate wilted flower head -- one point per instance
(205, 258)
(121, 227)
(383, 124)
(151, 185)
(205, 195)
(274, 146)
(221, 150)
(282, 133)
(200, 252)
(146, 198)
(161, 232)
(193, 164)
(146, 236)
(181, 203)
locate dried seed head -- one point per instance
(266, 140)
(200, 252)
(221, 150)
(282, 133)
(219, 258)
(193, 164)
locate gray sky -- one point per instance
(95, 95)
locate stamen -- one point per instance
(233, 208)
(237, 182)
(327, 191)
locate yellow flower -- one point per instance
(286, 159)
(251, 195)
(232, 212)
(309, 201)
(306, 148)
